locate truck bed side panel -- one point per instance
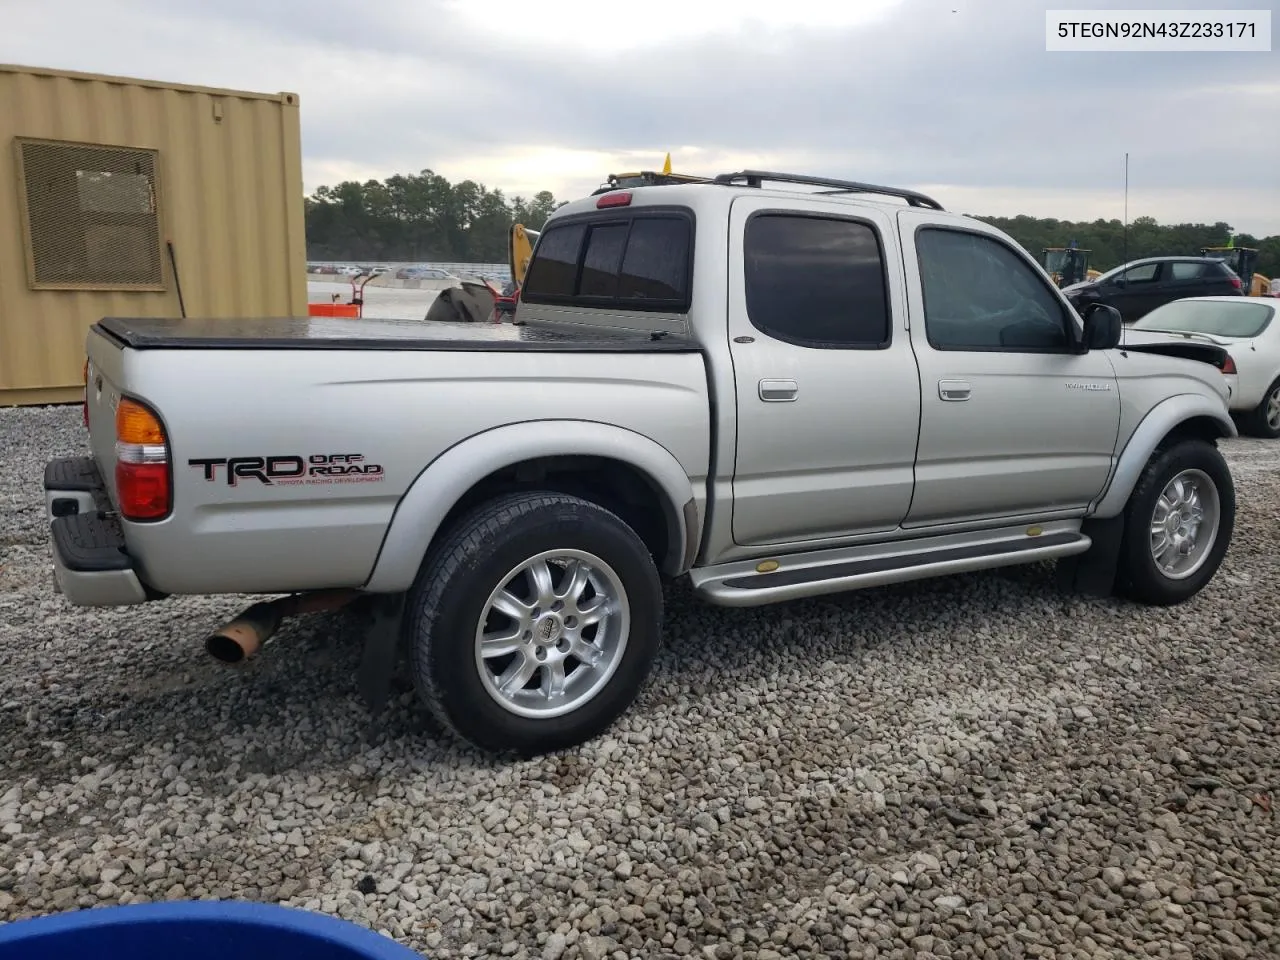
(334, 333)
(288, 465)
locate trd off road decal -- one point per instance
(316, 468)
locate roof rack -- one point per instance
(757, 178)
(646, 178)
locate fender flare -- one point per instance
(1155, 426)
(447, 478)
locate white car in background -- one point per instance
(1246, 327)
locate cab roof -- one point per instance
(705, 194)
(758, 178)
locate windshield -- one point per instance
(1213, 317)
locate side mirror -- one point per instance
(1103, 326)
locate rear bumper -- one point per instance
(91, 565)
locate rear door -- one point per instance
(1195, 278)
(1217, 280)
(1014, 426)
(828, 396)
(1188, 278)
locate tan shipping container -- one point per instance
(107, 182)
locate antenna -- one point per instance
(1126, 233)
(1126, 208)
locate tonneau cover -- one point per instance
(335, 333)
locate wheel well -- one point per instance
(1195, 428)
(613, 484)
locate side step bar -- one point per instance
(755, 582)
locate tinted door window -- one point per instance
(980, 295)
(815, 281)
(1145, 273)
(554, 271)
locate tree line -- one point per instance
(1110, 245)
(417, 217)
(424, 217)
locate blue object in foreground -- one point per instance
(195, 930)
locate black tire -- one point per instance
(1140, 578)
(1255, 421)
(471, 561)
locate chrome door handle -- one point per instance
(778, 391)
(954, 390)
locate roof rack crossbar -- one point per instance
(648, 178)
(757, 178)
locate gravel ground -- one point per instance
(970, 767)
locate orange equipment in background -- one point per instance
(353, 310)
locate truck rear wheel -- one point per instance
(534, 623)
(1178, 524)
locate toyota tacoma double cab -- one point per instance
(773, 385)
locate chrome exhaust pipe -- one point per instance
(249, 632)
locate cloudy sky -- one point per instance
(955, 97)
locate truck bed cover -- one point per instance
(333, 333)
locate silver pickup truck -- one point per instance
(777, 386)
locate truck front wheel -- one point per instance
(534, 622)
(1178, 524)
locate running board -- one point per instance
(753, 583)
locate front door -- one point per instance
(1139, 290)
(828, 398)
(1013, 424)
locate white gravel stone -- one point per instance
(976, 766)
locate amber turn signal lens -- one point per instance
(136, 424)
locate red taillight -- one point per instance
(1228, 365)
(1236, 282)
(620, 198)
(143, 483)
(85, 407)
(143, 490)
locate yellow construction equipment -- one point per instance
(520, 251)
(1067, 265)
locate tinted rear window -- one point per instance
(605, 244)
(1189, 270)
(555, 269)
(1240, 319)
(638, 261)
(657, 261)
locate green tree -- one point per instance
(417, 217)
(1109, 246)
(423, 217)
